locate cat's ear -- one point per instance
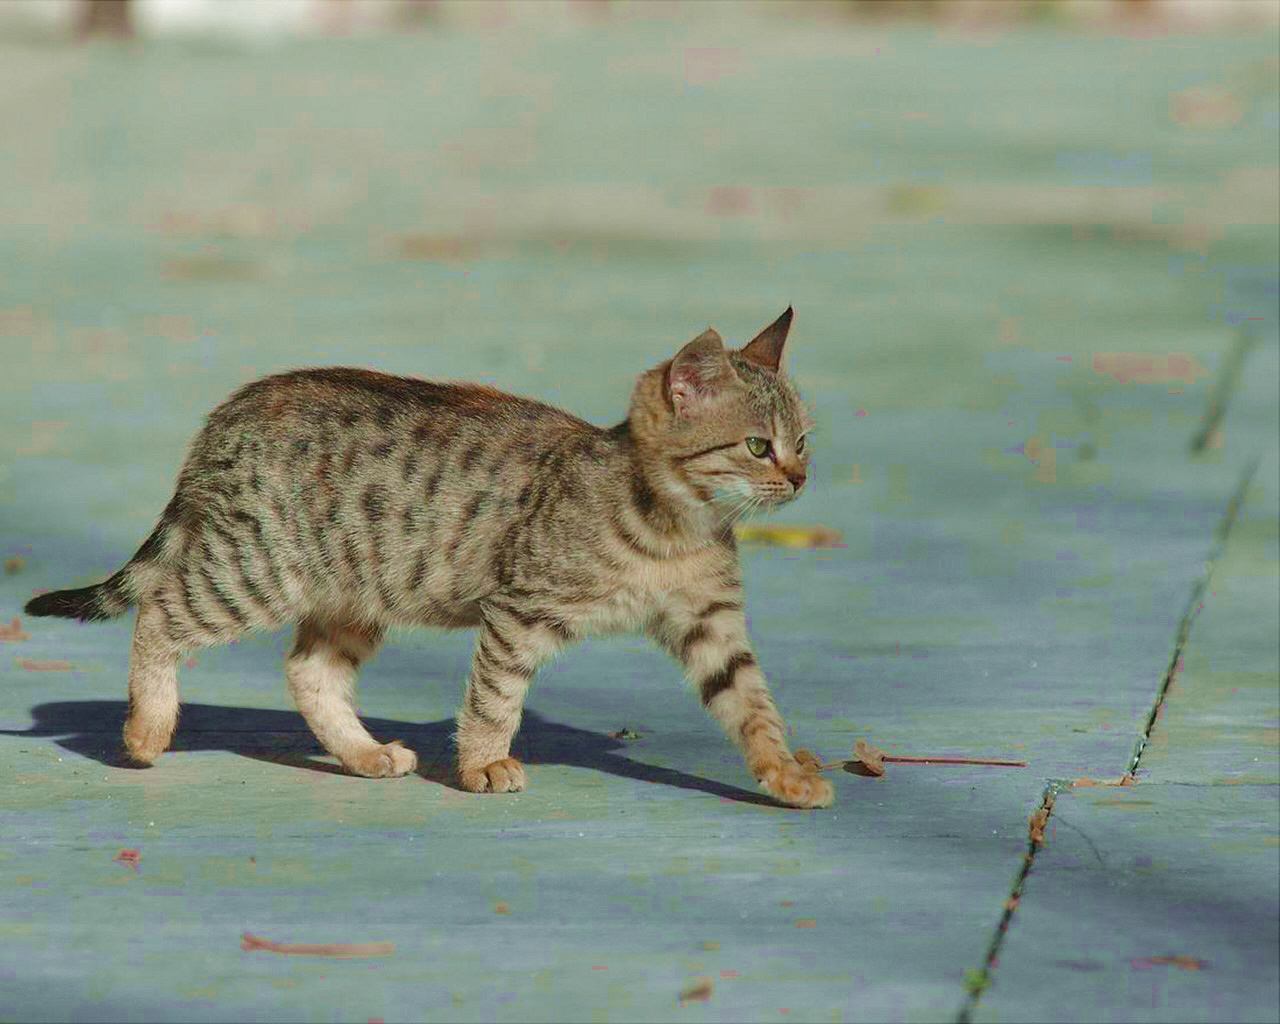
(697, 373)
(768, 347)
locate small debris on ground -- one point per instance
(626, 734)
(436, 248)
(130, 857)
(1035, 830)
(15, 563)
(12, 632)
(867, 760)
(502, 907)
(699, 992)
(342, 950)
(1125, 780)
(782, 535)
(31, 665)
(870, 761)
(1186, 963)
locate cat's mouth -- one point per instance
(737, 505)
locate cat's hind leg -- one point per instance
(153, 684)
(322, 673)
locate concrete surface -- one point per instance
(1026, 269)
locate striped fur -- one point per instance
(348, 501)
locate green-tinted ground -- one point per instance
(1025, 270)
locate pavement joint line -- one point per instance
(979, 981)
(1228, 382)
(1195, 602)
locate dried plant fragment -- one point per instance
(31, 665)
(868, 757)
(1126, 780)
(1185, 963)
(782, 535)
(12, 632)
(341, 950)
(699, 992)
(1035, 831)
(625, 734)
(870, 761)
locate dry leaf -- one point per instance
(13, 632)
(502, 907)
(869, 757)
(784, 535)
(14, 564)
(699, 992)
(1186, 963)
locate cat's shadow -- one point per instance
(91, 728)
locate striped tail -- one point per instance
(113, 596)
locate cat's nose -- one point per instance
(797, 478)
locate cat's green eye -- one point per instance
(800, 446)
(758, 447)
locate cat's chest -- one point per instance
(648, 587)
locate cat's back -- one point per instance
(354, 414)
(346, 396)
(378, 489)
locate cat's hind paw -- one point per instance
(503, 776)
(383, 762)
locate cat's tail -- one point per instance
(114, 595)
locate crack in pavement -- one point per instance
(978, 981)
(1195, 603)
(1083, 835)
(1228, 382)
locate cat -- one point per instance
(348, 501)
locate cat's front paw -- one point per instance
(797, 782)
(503, 776)
(386, 761)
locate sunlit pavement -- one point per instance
(1035, 288)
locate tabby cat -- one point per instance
(348, 501)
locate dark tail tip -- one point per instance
(82, 604)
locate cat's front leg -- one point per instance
(711, 641)
(510, 646)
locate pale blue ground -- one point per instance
(961, 229)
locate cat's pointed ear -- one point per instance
(697, 373)
(768, 347)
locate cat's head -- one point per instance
(727, 424)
